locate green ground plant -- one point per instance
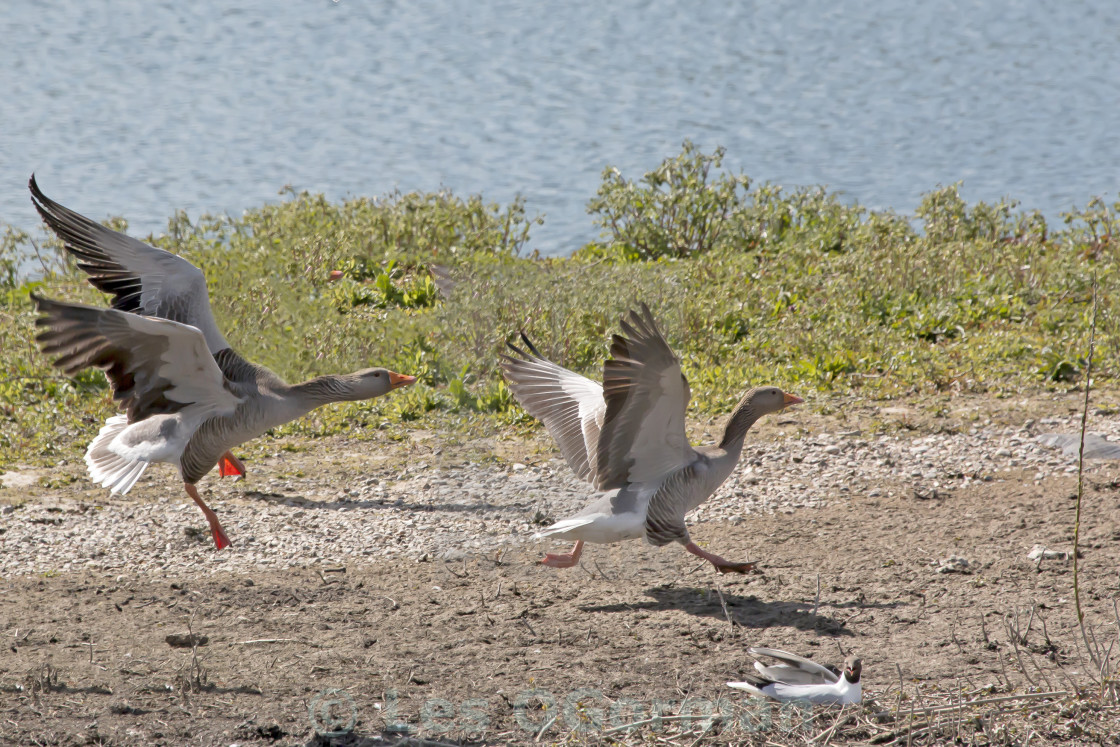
(799, 288)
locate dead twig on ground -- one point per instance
(726, 614)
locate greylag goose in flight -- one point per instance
(188, 397)
(627, 436)
(798, 678)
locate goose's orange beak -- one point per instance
(396, 380)
(791, 399)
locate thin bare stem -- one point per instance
(1080, 477)
(726, 614)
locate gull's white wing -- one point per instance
(1096, 447)
(825, 674)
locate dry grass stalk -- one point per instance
(1093, 653)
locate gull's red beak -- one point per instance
(396, 380)
(791, 399)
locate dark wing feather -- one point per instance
(668, 506)
(245, 373)
(142, 279)
(643, 434)
(154, 365)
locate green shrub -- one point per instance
(791, 287)
(677, 210)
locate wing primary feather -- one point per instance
(529, 344)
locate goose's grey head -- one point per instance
(852, 669)
(759, 401)
(373, 382)
(769, 399)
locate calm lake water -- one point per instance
(142, 108)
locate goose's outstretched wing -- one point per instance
(154, 365)
(141, 278)
(643, 435)
(570, 406)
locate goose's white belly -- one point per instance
(160, 438)
(600, 524)
(606, 528)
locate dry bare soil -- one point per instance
(490, 647)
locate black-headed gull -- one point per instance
(798, 678)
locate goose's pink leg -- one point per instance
(220, 538)
(229, 465)
(564, 560)
(721, 565)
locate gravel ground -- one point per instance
(911, 535)
(322, 515)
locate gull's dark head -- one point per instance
(852, 669)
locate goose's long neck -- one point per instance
(322, 390)
(274, 403)
(737, 426)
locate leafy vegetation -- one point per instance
(751, 285)
(383, 287)
(679, 209)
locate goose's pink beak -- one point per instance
(396, 380)
(791, 399)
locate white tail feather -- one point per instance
(106, 467)
(125, 484)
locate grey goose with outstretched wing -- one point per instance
(188, 396)
(627, 437)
